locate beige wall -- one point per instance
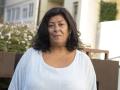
(53, 4)
(45, 6)
(109, 0)
(118, 8)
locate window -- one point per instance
(31, 7)
(13, 14)
(17, 13)
(8, 15)
(75, 9)
(25, 12)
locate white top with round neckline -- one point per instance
(52, 67)
(32, 73)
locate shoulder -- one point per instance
(82, 55)
(84, 59)
(26, 57)
(86, 62)
(29, 52)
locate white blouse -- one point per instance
(32, 73)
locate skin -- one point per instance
(58, 30)
(58, 56)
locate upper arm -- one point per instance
(89, 72)
(18, 78)
(91, 75)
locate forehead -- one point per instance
(57, 18)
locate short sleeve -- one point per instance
(18, 79)
(91, 75)
(89, 72)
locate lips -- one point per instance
(56, 35)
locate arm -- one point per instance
(18, 79)
(91, 76)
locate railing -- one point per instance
(115, 57)
(88, 51)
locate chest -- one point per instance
(41, 77)
(58, 60)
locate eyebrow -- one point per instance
(58, 21)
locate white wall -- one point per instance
(109, 37)
(87, 19)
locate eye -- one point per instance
(61, 24)
(50, 25)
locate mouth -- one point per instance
(56, 35)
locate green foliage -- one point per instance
(15, 38)
(108, 11)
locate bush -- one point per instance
(108, 11)
(15, 38)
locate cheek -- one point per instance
(50, 33)
(65, 38)
(49, 30)
(67, 33)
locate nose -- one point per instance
(57, 28)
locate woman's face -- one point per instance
(58, 30)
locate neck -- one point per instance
(58, 49)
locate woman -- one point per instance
(54, 63)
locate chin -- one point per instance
(58, 44)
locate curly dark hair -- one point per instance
(41, 40)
